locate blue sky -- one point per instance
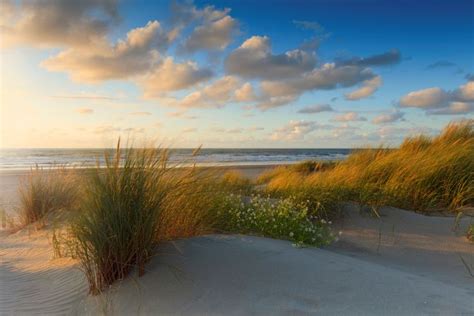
(233, 73)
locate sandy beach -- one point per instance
(402, 264)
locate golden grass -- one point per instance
(45, 191)
(423, 174)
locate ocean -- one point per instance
(21, 159)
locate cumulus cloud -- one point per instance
(213, 35)
(254, 59)
(294, 130)
(327, 77)
(425, 98)
(170, 76)
(85, 111)
(130, 57)
(245, 93)
(389, 118)
(454, 108)
(215, 95)
(440, 102)
(317, 108)
(388, 58)
(349, 117)
(465, 92)
(50, 23)
(367, 89)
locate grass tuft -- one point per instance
(45, 191)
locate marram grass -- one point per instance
(45, 191)
(424, 174)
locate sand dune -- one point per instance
(241, 275)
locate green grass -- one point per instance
(423, 174)
(116, 229)
(45, 191)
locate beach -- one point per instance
(404, 263)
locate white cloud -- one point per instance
(349, 117)
(367, 89)
(215, 95)
(51, 23)
(294, 130)
(171, 76)
(214, 35)
(388, 118)
(465, 92)
(440, 102)
(426, 98)
(454, 108)
(327, 77)
(254, 59)
(245, 93)
(127, 58)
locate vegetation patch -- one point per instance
(45, 191)
(281, 219)
(424, 174)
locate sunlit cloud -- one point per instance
(349, 117)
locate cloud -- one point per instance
(127, 58)
(388, 118)
(426, 98)
(327, 77)
(469, 77)
(440, 64)
(52, 23)
(182, 114)
(183, 13)
(388, 58)
(367, 89)
(245, 93)
(140, 113)
(465, 92)
(253, 59)
(317, 108)
(294, 130)
(214, 35)
(214, 95)
(440, 102)
(454, 108)
(349, 117)
(170, 76)
(85, 111)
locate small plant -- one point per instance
(470, 233)
(45, 191)
(284, 219)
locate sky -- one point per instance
(245, 74)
